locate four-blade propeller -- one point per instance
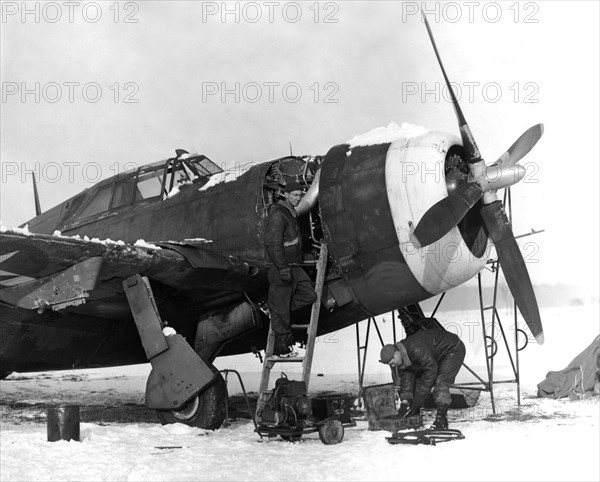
(482, 183)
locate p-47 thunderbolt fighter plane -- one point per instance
(71, 297)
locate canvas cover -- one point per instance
(578, 380)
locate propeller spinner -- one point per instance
(482, 183)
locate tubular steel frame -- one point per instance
(489, 342)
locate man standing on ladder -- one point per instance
(290, 287)
(426, 359)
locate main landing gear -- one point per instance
(181, 386)
(205, 410)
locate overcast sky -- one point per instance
(89, 88)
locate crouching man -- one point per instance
(426, 359)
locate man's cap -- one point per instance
(387, 353)
(292, 186)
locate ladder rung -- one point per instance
(311, 330)
(296, 359)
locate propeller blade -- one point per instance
(501, 176)
(513, 266)
(445, 214)
(471, 149)
(521, 147)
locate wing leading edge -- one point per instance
(42, 271)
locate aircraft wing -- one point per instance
(44, 271)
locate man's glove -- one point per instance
(286, 275)
(404, 408)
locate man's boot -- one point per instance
(413, 418)
(441, 418)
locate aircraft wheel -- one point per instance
(332, 432)
(205, 410)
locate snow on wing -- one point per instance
(39, 271)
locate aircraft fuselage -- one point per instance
(368, 197)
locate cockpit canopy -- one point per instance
(154, 181)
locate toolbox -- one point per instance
(333, 407)
(382, 414)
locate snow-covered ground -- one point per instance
(546, 440)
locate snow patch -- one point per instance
(140, 243)
(225, 176)
(181, 429)
(86, 434)
(168, 331)
(562, 431)
(107, 241)
(198, 240)
(24, 230)
(384, 135)
(173, 192)
(177, 189)
(58, 234)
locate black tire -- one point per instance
(331, 432)
(206, 410)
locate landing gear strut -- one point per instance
(181, 386)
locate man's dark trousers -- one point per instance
(284, 298)
(448, 368)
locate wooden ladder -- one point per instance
(307, 359)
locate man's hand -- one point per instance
(404, 408)
(286, 275)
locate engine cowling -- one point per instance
(371, 196)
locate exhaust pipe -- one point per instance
(309, 200)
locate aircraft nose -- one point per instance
(416, 171)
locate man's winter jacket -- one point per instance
(425, 349)
(282, 236)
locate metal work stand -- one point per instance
(491, 349)
(489, 340)
(490, 344)
(365, 346)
